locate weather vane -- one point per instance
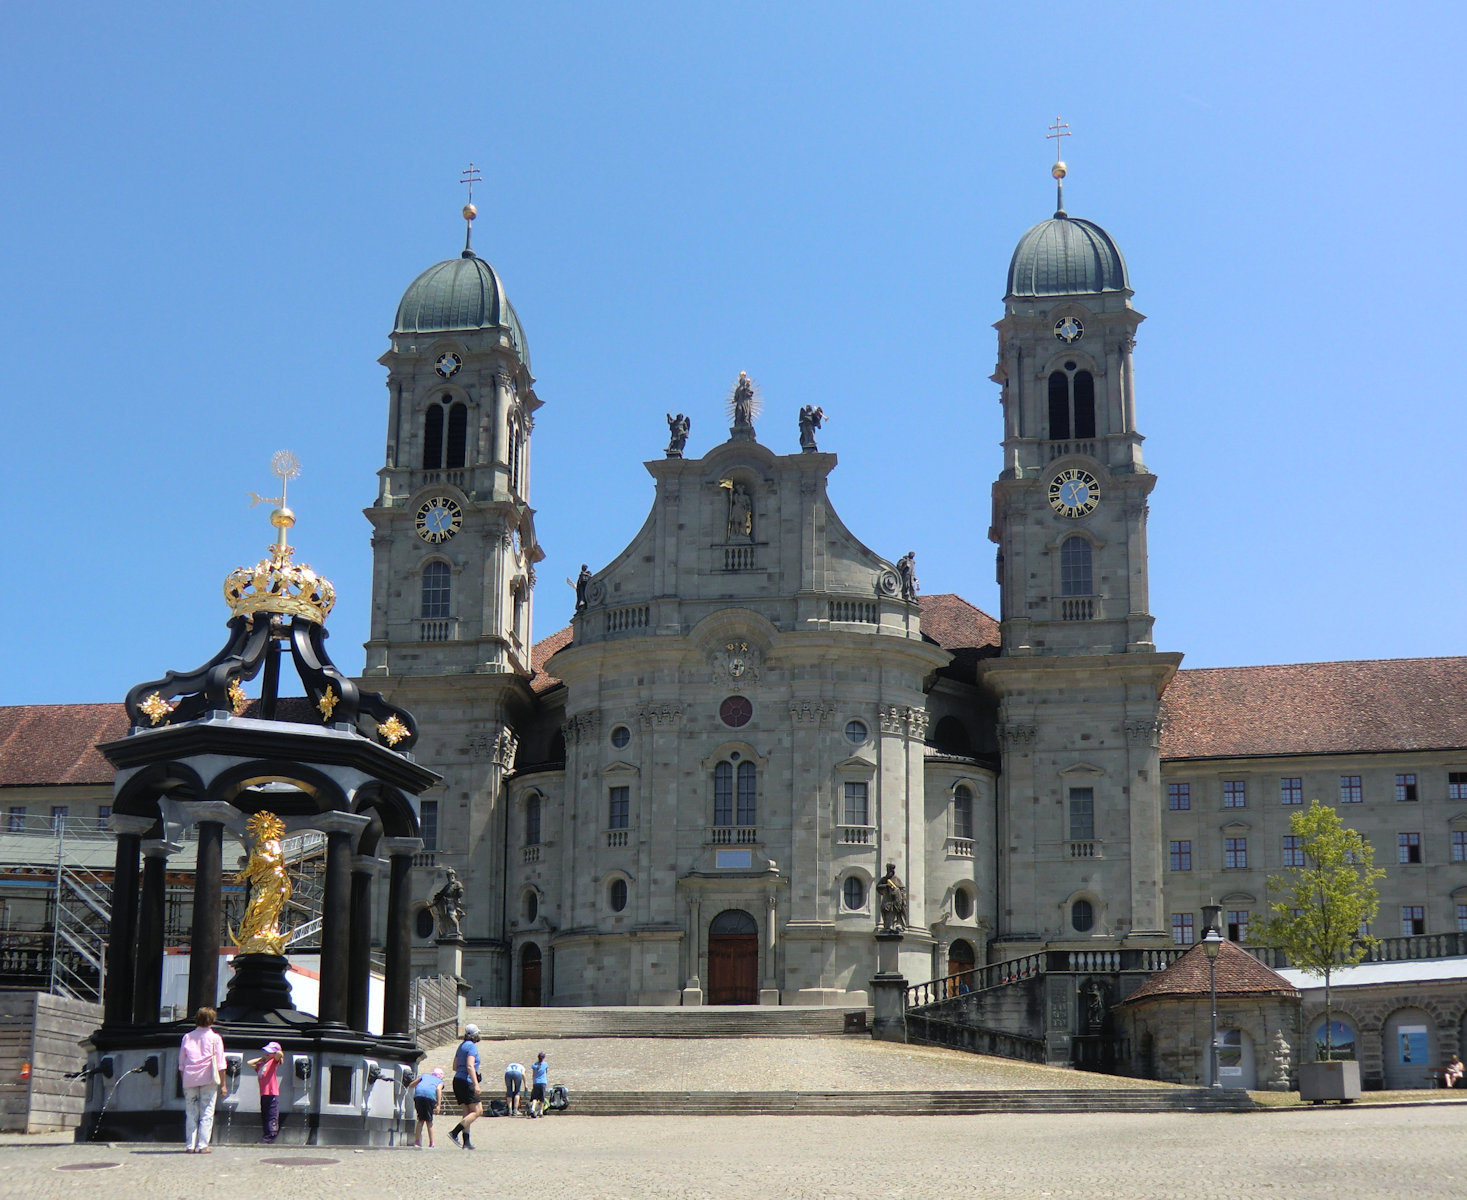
(1058, 131)
(286, 466)
(470, 176)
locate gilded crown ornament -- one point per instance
(276, 584)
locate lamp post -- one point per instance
(1211, 943)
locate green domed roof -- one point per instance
(459, 294)
(1066, 256)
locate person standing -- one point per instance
(467, 1075)
(427, 1100)
(514, 1086)
(201, 1068)
(267, 1067)
(541, 1071)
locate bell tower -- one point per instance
(454, 548)
(1079, 679)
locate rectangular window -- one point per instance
(1082, 814)
(1291, 790)
(619, 808)
(748, 795)
(1182, 856)
(856, 804)
(1183, 933)
(1179, 796)
(963, 813)
(1457, 785)
(15, 819)
(1405, 787)
(59, 813)
(1293, 851)
(1235, 852)
(1413, 920)
(1462, 918)
(1350, 789)
(1459, 845)
(1408, 847)
(1238, 925)
(104, 815)
(1235, 794)
(723, 779)
(428, 819)
(532, 820)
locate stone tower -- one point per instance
(1079, 678)
(453, 555)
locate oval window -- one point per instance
(532, 907)
(620, 736)
(1082, 915)
(962, 904)
(423, 923)
(617, 895)
(853, 893)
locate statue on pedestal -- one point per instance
(810, 419)
(259, 929)
(678, 428)
(891, 899)
(448, 908)
(907, 573)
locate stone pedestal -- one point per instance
(257, 989)
(888, 990)
(451, 963)
(693, 993)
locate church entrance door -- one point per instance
(733, 959)
(530, 976)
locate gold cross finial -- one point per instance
(1058, 131)
(470, 176)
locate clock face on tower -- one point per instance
(438, 520)
(448, 365)
(1069, 329)
(1074, 493)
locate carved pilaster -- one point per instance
(810, 712)
(506, 745)
(659, 716)
(1144, 733)
(1017, 734)
(891, 718)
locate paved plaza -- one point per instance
(1300, 1154)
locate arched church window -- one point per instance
(1082, 915)
(1075, 572)
(1071, 404)
(515, 446)
(437, 592)
(950, 736)
(433, 437)
(458, 435)
(532, 819)
(853, 893)
(445, 434)
(735, 794)
(963, 811)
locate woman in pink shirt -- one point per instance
(201, 1066)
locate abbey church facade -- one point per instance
(689, 795)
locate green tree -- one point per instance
(1319, 912)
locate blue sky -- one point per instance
(209, 213)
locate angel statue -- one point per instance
(678, 428)
(810, 419)
(259, 930)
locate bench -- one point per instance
(1437, 1076)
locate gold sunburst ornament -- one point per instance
(155, 708)
(237, 697)
(392, 730)
(327, 703)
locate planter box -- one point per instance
(1337, 1080)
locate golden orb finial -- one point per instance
(470, 212)
(1058, 170)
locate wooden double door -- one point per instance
(733, 959)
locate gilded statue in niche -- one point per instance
(264, 873)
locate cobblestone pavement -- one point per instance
(1330, 1152)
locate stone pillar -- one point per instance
(769, 986)
(359, 972)
(152, 914)
(117, 997)
(398, 943)
(341, 830)
(693, 988)
(888, 989)
(203, 964)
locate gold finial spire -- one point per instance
(470, 176)
(1057, 132)
(277, 584)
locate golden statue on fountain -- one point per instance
(259, 930)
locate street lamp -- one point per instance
(1212, 942)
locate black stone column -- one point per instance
(152, 915)
(123, 928)
(203, 965)
(359, 969)
(397, 1003)
(341, 830)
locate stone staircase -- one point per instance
(503, 1024)
(901, 1104)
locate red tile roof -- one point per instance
(1316, 708)
(540, 653)
(1238, 974)
(43, 744)
(954, 624)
